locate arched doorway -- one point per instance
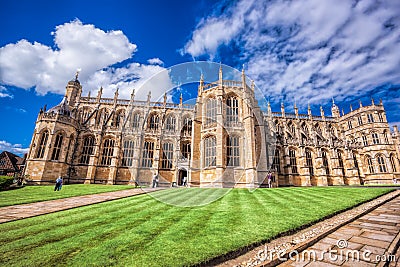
(182, 173)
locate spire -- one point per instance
(351, 108)
(165, 99)
(148, 97)
(309, 111)
(220, 74)
(88, 95)
(335, 109)
(180, 100)
(380, 102)
(116, 94)
(243, 78)
(77, 74)
(360, 104)
(296, 110)
(342, 112)
(269, 109)
(99, 93)
(201, 85)
(133, 94)
(322, 111)
(282, 109)
(372, 101)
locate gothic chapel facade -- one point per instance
(224, 140)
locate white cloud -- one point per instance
(307, 50)
(13, 148)
(155, 61)
(142, 78)
(77, 46)
(4, 92)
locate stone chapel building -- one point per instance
(224, 140)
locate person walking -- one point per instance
(269, 176)
(155, 180)
(58, 184)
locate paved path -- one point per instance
(17, 212)
(362, 242)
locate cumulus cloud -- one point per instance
(76, 46)
(13, 148)
(155, 61)
(143, 78)
(307, 50)
(4, 92)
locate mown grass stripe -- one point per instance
(142, 231)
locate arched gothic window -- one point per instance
(167, 156)
(370, 165)
(108, 151)
(102, 117)
(293, 161)
(233, 151)
(135, 120)
(382, 164)
(87, 150)
(276, 164)
(309, 162)
(129, 149)
(170, 123)
(186, 149)
(365, 140)
(393, 163)
(375, 138)
(57, 147)
(211, 111)
(42, 144)
(147, 157)
(210, 144)
(232, 110)
(187, 127)
(325, 162)
(154, 121)
(119, 119)
(385, 137)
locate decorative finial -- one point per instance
(77, 74)
(360, 103)
(180, 99)
(372, 101)
(380, 102)
(149, 97)
(351, 107)
(343, 112)
(165, 98)
(333, 101)
(133, 94)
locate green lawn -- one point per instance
(141, 231)
(29, 194)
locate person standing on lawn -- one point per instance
(58, 184)
(269, 176)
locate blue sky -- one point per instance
(296, 51)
